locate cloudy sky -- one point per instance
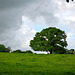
(21, 19)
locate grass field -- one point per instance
(36, 64)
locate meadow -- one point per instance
(37, 64)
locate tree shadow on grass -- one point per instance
(69, 73)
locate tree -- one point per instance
(28, 51)
(8, 49)
(49, 39)
(3, 48)
(72, 50)
(17, 51)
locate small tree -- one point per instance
(49, 39)
(8, 49)
(3, 48)
(72, 50)
(28, 51)
(17, 51)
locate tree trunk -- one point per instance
(50, 52)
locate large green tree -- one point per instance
(50, 39)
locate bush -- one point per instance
(60, 51)
(71, 51)
(28, 51)
(17, 51)
(4, 49)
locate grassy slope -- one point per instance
(33, 64)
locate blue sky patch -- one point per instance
(39, 28)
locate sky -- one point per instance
(21, 19)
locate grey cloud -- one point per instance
(18, 39)
(10, 18)
(43, 8)
(11, 12)
(10, 4)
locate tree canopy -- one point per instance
(4, 49)
(49, 39)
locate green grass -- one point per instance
(36, 64)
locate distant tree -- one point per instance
(28, 51)
(8, 49)
(17, 51)
(50, 39)
(3, 48)
(72, 50)
(67, 51)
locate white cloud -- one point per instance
(21, 38)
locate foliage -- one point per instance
(36, 64)
(60, 51)
(8, 49)
(28, 51)
(17, 51)
(4, 49)
(71, 51)
(49, 39)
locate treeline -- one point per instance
(8, 49)
(4, 49)
(71, 51)
(19, 51)
(67, 51)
